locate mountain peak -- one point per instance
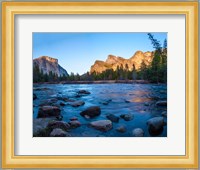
(50, 59)
(114, 62)
(48, 64)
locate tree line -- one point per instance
(155, 73)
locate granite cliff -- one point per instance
(112, 62)
(48, 64)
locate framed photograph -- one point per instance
(100, 84)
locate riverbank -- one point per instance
(99, 82)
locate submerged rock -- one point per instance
(76, 103)
(91, 112)
(138, 132)
(127, 117)
(113, 118)
(48, 111)
(161, 103)
(74, 123)
(155, 125)
(102, 125)
(83, 92)
(121, 129)
(59, 133)
(106, 102)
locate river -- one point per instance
(117, 99)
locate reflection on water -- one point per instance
(138, 99)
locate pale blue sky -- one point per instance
(76, 52)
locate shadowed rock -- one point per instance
(161, 103)
(155, 125)
(83, 92)
(113, 118)
(48, 111)
(34, 96)
(91, 112)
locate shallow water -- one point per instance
(126, 98)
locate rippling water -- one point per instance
(138, 99)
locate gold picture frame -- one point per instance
(10, 9)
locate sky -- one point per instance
(76, 52)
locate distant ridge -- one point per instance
(48, 64)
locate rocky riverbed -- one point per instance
(100, 110)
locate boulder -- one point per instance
(76, 103)
(155, 125)
(58, 124)
(161, 103)
(113, 118)
(121, 129)
(48, 111)
(74, 123)
(127, 117)
(138, 132)
(102, 125)
(91, 112)
(59, 133)
(40, 127)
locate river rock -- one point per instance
(76, 103)
(48, 111)
(161, 103)
(113, 118)
(34, 96)
(83, 92)
(155, 125)
(74, 123)
(59, 133)
(40, 127)
(91, 112)
(127, 117)
(58, 124)
(138, 132)
(121, 129)
(102, 125)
